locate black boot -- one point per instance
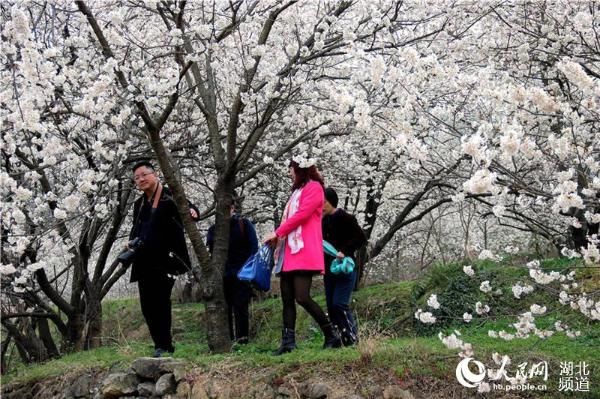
(349, 338)
(332, 337)
(288, 342)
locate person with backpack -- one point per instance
(242, 245)
(342, 231)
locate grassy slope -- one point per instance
(392, 339)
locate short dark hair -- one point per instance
(331, 197)
(138, 165)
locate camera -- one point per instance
(126, 257)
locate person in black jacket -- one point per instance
(342, 231)
(242, 244)
(161, 255)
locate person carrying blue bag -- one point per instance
(243, 244)
(343, 235)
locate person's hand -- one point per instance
(270, 238)
(193, 213)
(340, 255)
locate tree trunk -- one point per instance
(361, 258)
(3, 352)
(216, 318)
(46, 337)
(75, 326)
(29, 346)
(93, 338)
(210, 275)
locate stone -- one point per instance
(284, 392)
(198, 391)
(262, 391)
(146, 389)
(374, 391)
(152, 368)
(165, 384)
(179, 372)
(218, 390)
(172, 365)
(17, 393)
(314, 390)
(183, 390)
(80, 388)
(119, 384)
(395, 392)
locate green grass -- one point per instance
(104, 357)
(391, 338)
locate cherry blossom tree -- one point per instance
(415, 114)
(64, 199)
(221, 74)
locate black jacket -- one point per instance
(342, 231)
(164, 249)
(242, 244)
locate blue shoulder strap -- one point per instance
(329, 249)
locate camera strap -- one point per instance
(157, 195)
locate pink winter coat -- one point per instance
(308, 216)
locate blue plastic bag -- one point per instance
(257, 269)
(345, 265)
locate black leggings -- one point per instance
(295, 287)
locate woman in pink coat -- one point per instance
(300, 242)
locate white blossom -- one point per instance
(432, 302)
(481, 182)
(564, 298)
(506, 336)
(425, 317)
(591, 254)
(71, 203)
(519, 290)
(487, 254)
(7, 269)
(451, 341)
(480, 308)
(468, 270)
(573, 334)
(499, 210)
(60, 214)
(537, 309)
(23, 194)
(485, 286)
(543, 278)
(511, 250)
